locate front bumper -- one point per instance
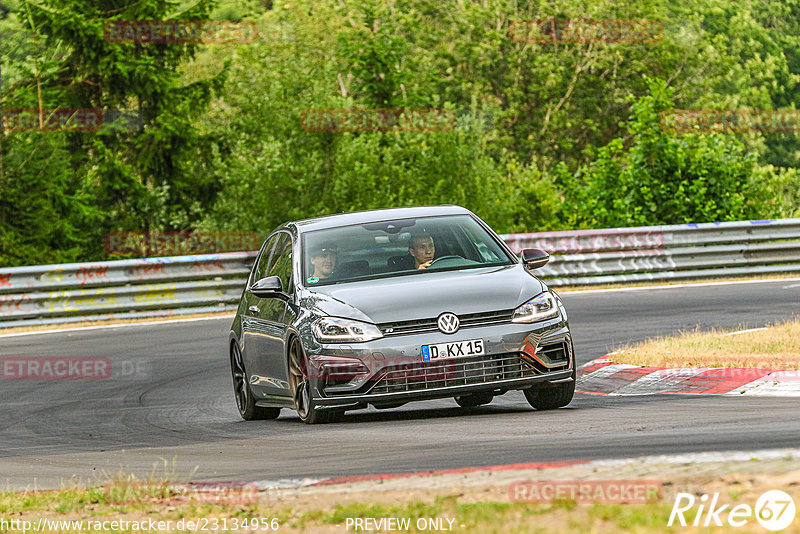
(517, 356)
(500, 386)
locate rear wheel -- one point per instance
(473, 400)
(245, 400)
(550, 398)
(300, 384)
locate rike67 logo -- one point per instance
(774, 510)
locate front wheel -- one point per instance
(300, 384)
(550, 398)
(245, 400)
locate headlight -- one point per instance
(542, 306)
(336, 330)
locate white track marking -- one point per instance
(702, 457)
(103, 326)
(775, 384)
(745, 331)
(677, 286)
(288, 483)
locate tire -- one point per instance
(473, 400)
(300, 385)
(550, 398)
(245, 400)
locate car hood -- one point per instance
(421, 296)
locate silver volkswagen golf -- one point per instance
(390, 306)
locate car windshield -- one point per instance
(398, 248)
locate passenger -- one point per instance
(422, 250)
(323, 260)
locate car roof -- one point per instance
(363, 217)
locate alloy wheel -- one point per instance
(239, 378)
(298, 379)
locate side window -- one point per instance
(263, 260)
(282, 261)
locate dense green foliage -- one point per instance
(548, 135)
(664, 179)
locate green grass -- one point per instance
(483, 517)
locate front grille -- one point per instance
(420, 326)
(419, 376)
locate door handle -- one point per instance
(254, 309)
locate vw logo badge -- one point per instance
(448, 323)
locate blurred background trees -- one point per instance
(548, 135)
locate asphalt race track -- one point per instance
(178, 413)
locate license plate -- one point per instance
(456, 349)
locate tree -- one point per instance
(44, 218)
(140, 178)
(663, 177)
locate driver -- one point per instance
(323, 259)
(422, 249)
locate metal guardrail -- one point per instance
(675, 252)
(171, 286)
(150, 287)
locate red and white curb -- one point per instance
(604, 377)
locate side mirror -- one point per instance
(268, 287)
(533, 258)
